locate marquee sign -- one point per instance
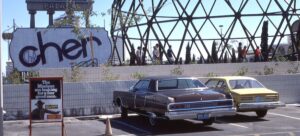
(56, 5)
(32, 49)
(56, 0)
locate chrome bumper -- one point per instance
(192, 114)
(260, 105)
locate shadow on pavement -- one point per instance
(139, 126)
(239, 118)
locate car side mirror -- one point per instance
(134, 89)
(131, 89)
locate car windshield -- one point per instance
(244, 83)
(179, 84)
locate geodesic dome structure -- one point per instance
(198, 23)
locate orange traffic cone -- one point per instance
(108, 130)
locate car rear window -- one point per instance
(143, 84)
(179, 84)
(245, 83)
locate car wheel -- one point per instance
(261, 113)
(209, 121)
(124, 112)
(152, 121)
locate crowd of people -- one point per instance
(139, 56)
(156, 55)
(242, 54)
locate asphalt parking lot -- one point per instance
(283, 121)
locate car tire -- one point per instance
(124, 112)
(209, 121)
(261, 113)
(152, 121)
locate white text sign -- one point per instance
(32, 49)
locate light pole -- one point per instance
(221, 26)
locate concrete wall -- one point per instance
(288, 86)
(93, 98)
(102, 73)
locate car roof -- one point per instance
(233, 77)
(166, 77)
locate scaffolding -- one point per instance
(198, 23)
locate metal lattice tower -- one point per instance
(200, 22)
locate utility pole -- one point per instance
(14, 25)
(1, 82)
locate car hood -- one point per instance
(192, 95)
(253, 91)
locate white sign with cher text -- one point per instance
(35, 48)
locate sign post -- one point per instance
(46, 101)
(1, 82)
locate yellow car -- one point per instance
(247, 92)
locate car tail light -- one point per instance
(178, 106)
(246, 98)
(223, 103)
(272, 97)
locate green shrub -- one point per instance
(243, 71)
(211, 74)
(268, 70)
(294, 69)
(138, 75)
(107, 75)
(75, 74)
(177, 71)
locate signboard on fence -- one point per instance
(46, 99)
(34, 48)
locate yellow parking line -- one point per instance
(284, 116)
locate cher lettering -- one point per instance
(71, 49)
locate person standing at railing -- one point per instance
(244, 54)
(139, 56)
(257, 54)
(155, 54)
(170, 54)
(240, 56)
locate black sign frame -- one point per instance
(42, 89)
